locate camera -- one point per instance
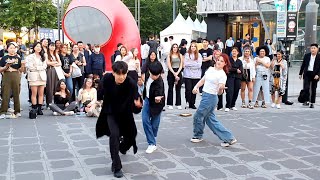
(265, 77)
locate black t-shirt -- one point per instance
(66, 62)
(153, 46)
(15, 65)
(206, 53)
(3, 52)
(183, 51)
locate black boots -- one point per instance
(39, 111)
(33, 112)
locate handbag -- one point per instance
(303, 96)
(76, 71)
(60, 72)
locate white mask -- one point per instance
(97, 50)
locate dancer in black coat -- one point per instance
(120, 97)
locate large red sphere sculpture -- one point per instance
(104, 22)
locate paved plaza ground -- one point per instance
(272, 144)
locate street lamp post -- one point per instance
(173, 10)
(58, 17)
(311, 24)
(62, 13)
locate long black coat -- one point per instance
(118, 101)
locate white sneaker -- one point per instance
(234, 108)
(2, 116)
(69, 113)
(10, 110)
(227, 110)
(273, 105)
(196, 140)
(227, 144)
(151, 148)
(11, 116)
(18, 115)
(56, 114)
(179, 107)
(278, 106)
(170, 107)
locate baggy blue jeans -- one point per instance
(205, 114)
(150, 124)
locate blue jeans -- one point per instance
(150, 124)
(69, 84)
(205, 114)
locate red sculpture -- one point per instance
(104, 22)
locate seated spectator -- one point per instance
(88, 98)
(62, 105)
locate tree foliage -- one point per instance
(156, 15)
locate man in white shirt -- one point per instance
(165, 50)
(220, 43)
(310, 71)
(229, 44)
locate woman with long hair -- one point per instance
(268, 43)
(248, 77)
(124, 55)
(88, 98)
(80, 61)
(66, 64)
(175, 65)
(214, 82)
(278, 79)
(262, 63)
(37, 76)
(11, 66)
(134, 69)
(52, 77)
(62, 104)
(183, 47)
(145, 68)
(234, 79)
(192, 73)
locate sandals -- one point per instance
(243, 105)
(263, 105)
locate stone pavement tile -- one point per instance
(27, 132)
(85, 144)
(32, 156)
(157, 155)
(28, 166)
(315, 149)
(62, 154)
(224, 160)
(101, 171)
(52, 139)
(128, 158)
(63, 163)
(300, 142)
(135, 167)
(74, 131)
(315, 160)
(211, 150)
(80, 137)
(4, 177)
(90, 152)
(212, 173)
(273, 155)
(185, 152)
(94, 161)
(4, 142)
(167, 165)
(192, 163)
(4, 149)
(315, 141)
(55, 145)
(297, 152)
(33, 176)
(290, 175)
(24, 141)
(311, 173)
(179, 174)
(240, 169)
(293, 164)
(26, 148)
(4, 164)
(250, 157)
(152, 176)
(68, 174)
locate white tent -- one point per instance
(204, 26)
(190, 23)
(198, 25)
(178, 29)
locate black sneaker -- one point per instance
(118, 174)
(306, 104)
(192, 107)
(311, 105)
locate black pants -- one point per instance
(308, 80)
(114, 142)
(77, 82)
(228, 50)
(233, 85)
(98, 72)
(171, 80)
(133, 75)
(220, 102)
(190, 97)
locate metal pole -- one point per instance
(62, 14)
(58, 16)
(139, 8)
(263, 21)
(174, 10)
(311, 24)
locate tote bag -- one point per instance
(59, 72)
(76, 71)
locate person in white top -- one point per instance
(145, 48)
(165, 50)
(248, 77)
(262, 63)
(229, 44)
(214, 82)
(134, 69)
(220, 43)
(124, 55)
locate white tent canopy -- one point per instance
(190, 23)
(179, 29)
(204, 26)
(198, 25)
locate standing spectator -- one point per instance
(86, 55)
(183, 47)
(206, 54)
(66, 64)
(134, 69)
(62, 104)
(37, 76)
(239, 46)
(165, 50)
(310, 71)
(220, 43)
(153, 44)
(247, 42)
(79, 62)
(214, 82)
(154, 101)
(248, 77)
(199, 43)
(97, 63)
(44, 45)
(117, 52)
(269, 45)
(175, 65)
(234, 79)
(58, 46)
(145, 68)
(262, 63)
(192, 73)
(144, 51)
(171, 40)
(211, 45)
(22, 49)
(11, 66)
(229, 44)
(88, 48)
(278, 79)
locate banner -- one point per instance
(46, 33)
(292, 26)
(281, 18)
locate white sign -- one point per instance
(281, 18)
